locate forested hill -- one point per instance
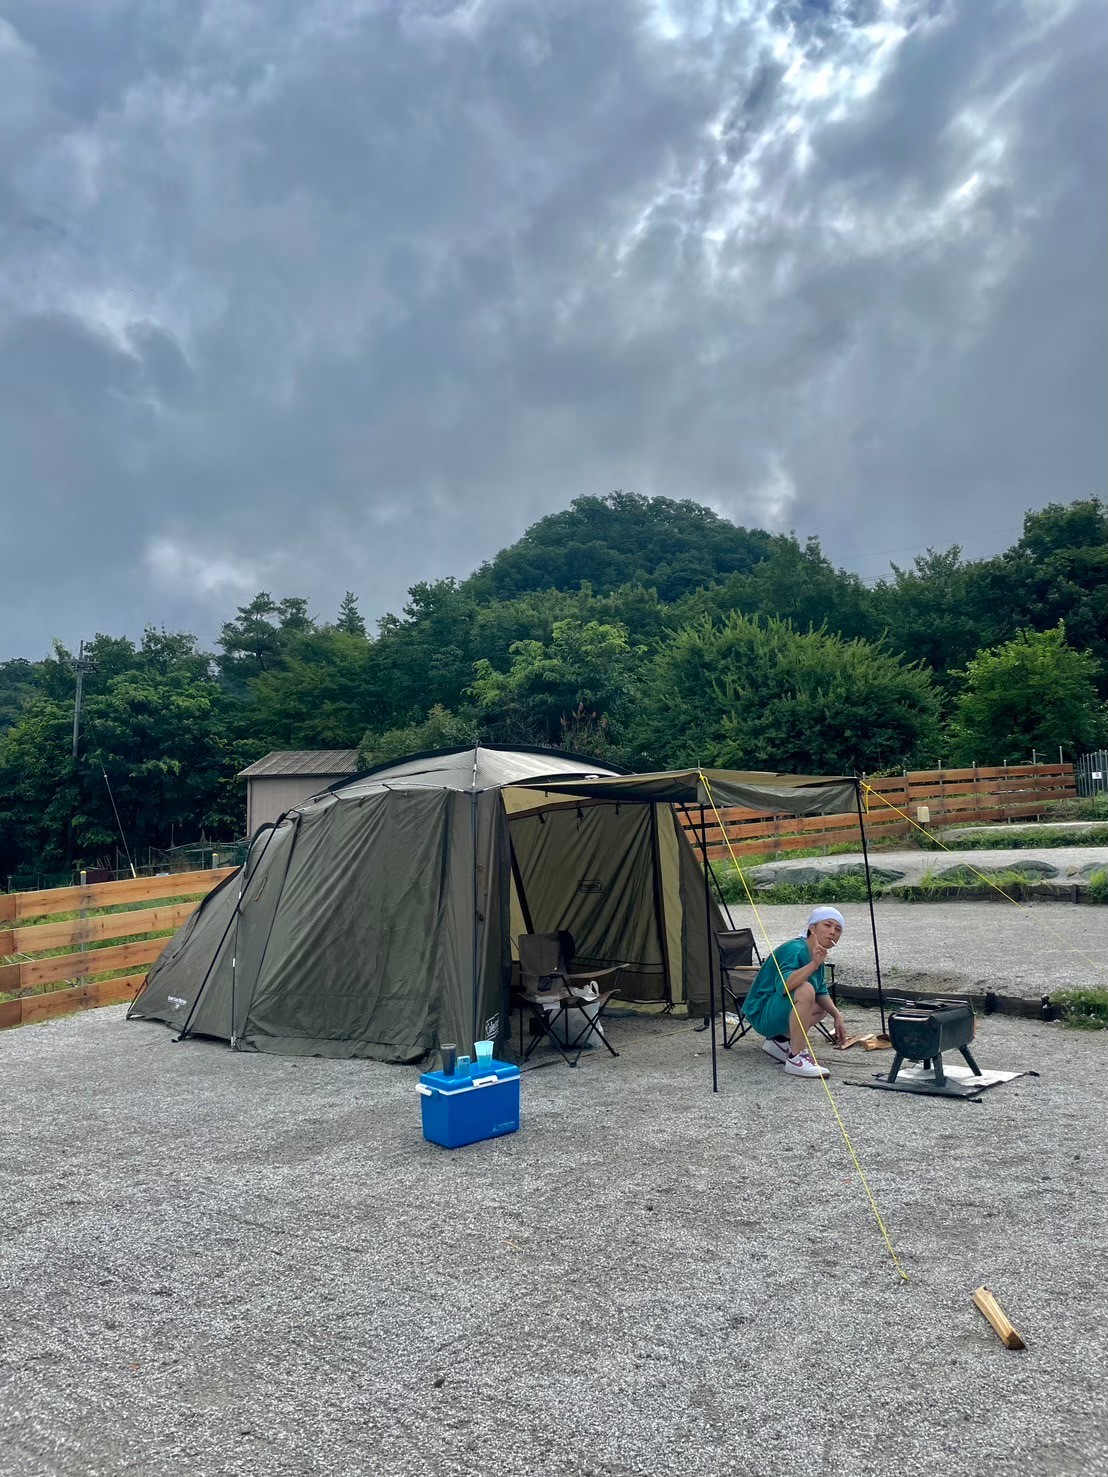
(651, 631)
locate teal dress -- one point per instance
(768, 1007)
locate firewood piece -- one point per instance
(997, 1317)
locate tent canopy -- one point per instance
(800, 794)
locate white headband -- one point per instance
(826, 915)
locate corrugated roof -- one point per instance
(307, 763)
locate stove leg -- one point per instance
(898, 1062)
(969, 1058)
(940, 1075)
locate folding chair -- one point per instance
(737, 952)
(554, 993)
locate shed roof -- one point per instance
(303, 763)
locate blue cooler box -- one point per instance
(464, 1110)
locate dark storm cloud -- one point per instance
(345, 295)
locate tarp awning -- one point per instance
(789, 794)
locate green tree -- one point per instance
(793, 583)
(933, 611)
(350, 617)
(19, 681)
(1032, 693)
(622, 539)
(1057, 572)
(588, 670)
(154, 727)
(752, 693)
(440, 729)
(260, 636)
(321, 696)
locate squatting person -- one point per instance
(789, 989)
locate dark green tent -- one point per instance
(379, 918)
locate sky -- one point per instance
(309, 297)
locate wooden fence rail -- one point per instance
(953, 797)
(45, 947)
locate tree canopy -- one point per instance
(646, 630)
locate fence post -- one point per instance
(82, 979)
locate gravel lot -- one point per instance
(1028, 951)
(218, 1263)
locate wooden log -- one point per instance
(992, 1310)
(108, 894)
(33, 938)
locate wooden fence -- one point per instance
(953, 797)
(60, 938)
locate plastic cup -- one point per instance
(484, 1053)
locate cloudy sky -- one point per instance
(309, 295)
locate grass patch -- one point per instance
(848, 889)
(1015, 839)
(964, 885)
(1085, 1010)
(1081, 808)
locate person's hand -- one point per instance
(818, 953)
(840, 1032)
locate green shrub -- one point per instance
(1014, 839)
(1081, 808)
(842, 889)
(1086, 1010)
(1097, 890)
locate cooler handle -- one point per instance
(485, 1081)
(423, 1089)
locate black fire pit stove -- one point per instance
(921, 1033)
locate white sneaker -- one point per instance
(778, 1050)
(804, 1065)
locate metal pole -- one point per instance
(869, 897)
(82, 666)
(708, 941)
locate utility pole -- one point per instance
(83, 664)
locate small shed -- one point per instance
(288, 777)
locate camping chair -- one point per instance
(737, 951)
(553, 992)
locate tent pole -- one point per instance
(869, 897)
(708, 937)
(476, 899)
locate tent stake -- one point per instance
(708, 933)
(869, 897)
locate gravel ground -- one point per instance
(1029, 951)
(230, 1264)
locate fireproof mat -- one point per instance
(961, 1081)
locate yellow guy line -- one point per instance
(792, 1004)
(869, 790)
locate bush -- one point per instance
(1021, 840)
(1085, 1010)
(1097, 890)
(842, 889)
(1081, 808)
